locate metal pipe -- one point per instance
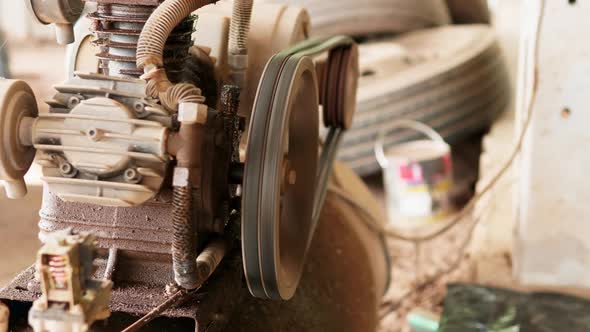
(111, 264)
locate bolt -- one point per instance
(139, 106)
(73, 101)
(131, 175)
(67, 170)
(289, 175)
(95, 134)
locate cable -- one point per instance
(375, 225)
(374, 222)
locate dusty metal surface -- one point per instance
(146, 228)
(330, 297)
(118, 23)
(204, 312)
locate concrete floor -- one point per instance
(18, 233)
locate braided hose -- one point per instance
(150, 53)
(157, 29)
(238, 41)
(239, 26)
(184, 249)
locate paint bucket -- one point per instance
(418, 177)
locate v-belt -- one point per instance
(279, 214)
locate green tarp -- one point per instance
(469, 308)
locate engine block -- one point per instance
(103, 141)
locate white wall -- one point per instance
(553, 231)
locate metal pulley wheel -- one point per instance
(17, 104)
(283, 184)
(339, 89)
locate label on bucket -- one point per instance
(418, 191)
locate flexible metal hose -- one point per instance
(239, 26)
(181, 93)
(184, 248)
(238, 41)
(164, 19)
(150, 53)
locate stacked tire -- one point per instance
(452, 78)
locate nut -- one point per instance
(181, 177)
(192, 113)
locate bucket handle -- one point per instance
(407, 124)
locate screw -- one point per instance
(131, 175)
(67, 170)
(73, 101)
(139, 106)
(95, 134)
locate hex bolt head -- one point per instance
(191, 113)
(66, 169)
(74, 101)
(139, 106)
(131, 175)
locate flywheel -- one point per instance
(284, 176)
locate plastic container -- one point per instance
(418, 177)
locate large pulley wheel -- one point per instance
(280, 177)
(17, 104)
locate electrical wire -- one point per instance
(374, 224)
(391, 233)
